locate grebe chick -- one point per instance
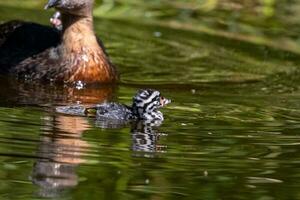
(144, 107)
(76, 56)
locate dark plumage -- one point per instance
(40, 53)
(21, 40)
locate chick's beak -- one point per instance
(164, 101)
(51, 4)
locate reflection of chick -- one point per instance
(60, 151)
(145, 138)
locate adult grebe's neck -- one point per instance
(85, 59)
(78, 33)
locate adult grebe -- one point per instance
(40, 53)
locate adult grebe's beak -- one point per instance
(164, 101)
(51, 4)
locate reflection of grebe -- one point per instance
(60, 151)
(40, 94)
(36, 52)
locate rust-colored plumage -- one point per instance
(77, 57)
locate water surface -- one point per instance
(231, 131)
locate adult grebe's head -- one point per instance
(73, 7)
(147, 102)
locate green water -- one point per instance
(231, 132)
